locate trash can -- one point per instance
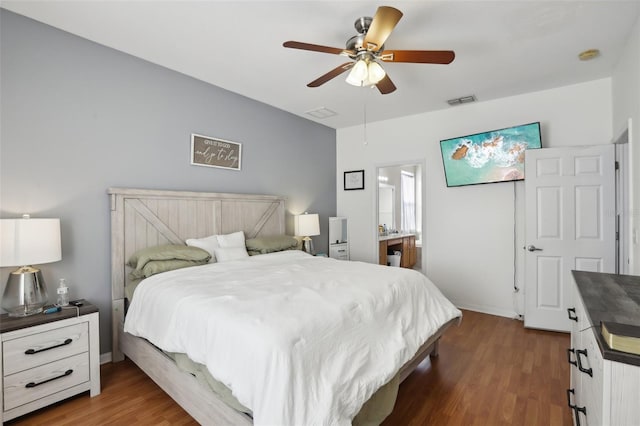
(394, 259)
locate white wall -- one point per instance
(626, 105)
(468, 248)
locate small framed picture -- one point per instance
(354, 180)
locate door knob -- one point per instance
(531, 247)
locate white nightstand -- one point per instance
(338, 238)
(47, 358)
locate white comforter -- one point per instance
(300, 340)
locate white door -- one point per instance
(569, 224)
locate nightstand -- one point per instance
(47, 358)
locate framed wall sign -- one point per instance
(212, 152)
(354, 180)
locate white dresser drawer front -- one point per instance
(36, 349)
(39, 382)
(339, 251)
(578, 318)
(592, 384)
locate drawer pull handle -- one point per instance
(574, 317)
(35, 351)
(569, 392)
(569, 352)
(34, 384)
(576, 410)
(589, 371)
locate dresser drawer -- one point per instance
(38, 382)
(36, 349)
(592, 384)
(339, 251)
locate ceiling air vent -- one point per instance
(462, 100)
(321, 113)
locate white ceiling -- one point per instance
(503, 48)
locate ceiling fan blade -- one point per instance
(385, 85)
(316, 48)
(383, 23)
(418, 56)
(331, 74)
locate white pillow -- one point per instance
(210, 244)
(225, 254)
(235, 239)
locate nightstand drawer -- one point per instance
(30, 385)
(29, 351)
(339, 251)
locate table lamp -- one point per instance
(307, 226)
(25, 242)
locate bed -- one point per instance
(148, 218)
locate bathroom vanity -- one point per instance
(405, 243)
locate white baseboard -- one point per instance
(105, 358)
(487, 310)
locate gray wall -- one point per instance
(78, 117)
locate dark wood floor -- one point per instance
(491, 371)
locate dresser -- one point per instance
(605, 384)
(47, 358)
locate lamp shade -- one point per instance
(307, 225)
(376, 72)
(29, 241)
(358, 74)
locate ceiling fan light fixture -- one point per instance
(359, 73)
(376, 72)
(365, 73)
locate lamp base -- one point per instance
(25, 311)
(25, 293)
(307, 245)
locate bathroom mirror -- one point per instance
(400, 198)
(386, 205)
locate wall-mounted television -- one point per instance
(495, 156)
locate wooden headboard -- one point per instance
(143, 218)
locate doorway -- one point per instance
(399, 199)
(623, 224)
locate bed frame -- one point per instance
(143, 218)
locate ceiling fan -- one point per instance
(367, 48)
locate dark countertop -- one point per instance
(610, 297)
(8, 323)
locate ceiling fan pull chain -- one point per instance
(365, 122)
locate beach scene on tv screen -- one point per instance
(495, 156)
